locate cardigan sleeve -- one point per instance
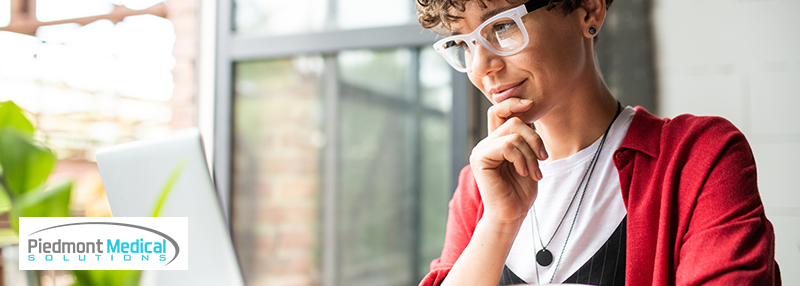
(465, 209)
(728, 239)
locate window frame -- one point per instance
(231, 48)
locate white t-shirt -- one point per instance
(601, 211)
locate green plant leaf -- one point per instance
(51, 203)
(176, 173)
(5, 201)
(107, 277)
(13, 116)
(129, 277)
(25, 164)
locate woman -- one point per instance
(597, 193)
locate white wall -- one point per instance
(740, 59)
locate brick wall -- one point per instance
(275, 212)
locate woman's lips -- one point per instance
(504, 92)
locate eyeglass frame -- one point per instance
(515, 14)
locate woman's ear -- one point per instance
(593, 13)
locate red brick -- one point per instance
(297, 240)
(266, 243)
(299, 192)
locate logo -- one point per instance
(129, 243)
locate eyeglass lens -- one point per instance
(502, 35)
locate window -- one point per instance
(390, 171)
(271, 18)
(277, 143)
(341, 152)
(95, 84)
(84, 83)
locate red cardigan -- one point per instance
(694, 212)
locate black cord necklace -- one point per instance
(544, 257)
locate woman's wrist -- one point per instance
(482, 260)
(500, 225)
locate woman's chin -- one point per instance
(525, 117)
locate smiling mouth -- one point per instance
(506, 92)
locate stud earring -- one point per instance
(592, 30)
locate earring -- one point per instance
(592, 30)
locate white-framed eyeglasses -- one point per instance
(503, 34)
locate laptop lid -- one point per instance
(134, 175)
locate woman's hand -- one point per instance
(505, 163)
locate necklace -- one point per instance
(544, 257)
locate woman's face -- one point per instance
(545, 71)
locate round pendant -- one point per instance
(544, 257)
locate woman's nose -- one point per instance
(485, 62)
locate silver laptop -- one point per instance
(133, 176)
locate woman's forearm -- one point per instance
(482, 261)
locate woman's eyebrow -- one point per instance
(488, 14)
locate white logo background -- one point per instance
(176, 228)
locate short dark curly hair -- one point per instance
(433, 14)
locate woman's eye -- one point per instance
(502, 27)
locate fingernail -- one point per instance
(543, 153)
(539, 174)
(525, 101)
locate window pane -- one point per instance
(394, 158)
(277, 143)
(352, 14)
(435, 75)
(96, 85)
(380, 73)
(376, 175)
(436, 156)
(392, 170)
(5, 12)
(84, 83)
(277, 17)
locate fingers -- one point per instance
(513, 148)
(510, 139)
(517, 126)
(525, 161)
(501, 112)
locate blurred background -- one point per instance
(335, 133)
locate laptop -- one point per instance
(134, 174)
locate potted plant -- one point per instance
(25, 165)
